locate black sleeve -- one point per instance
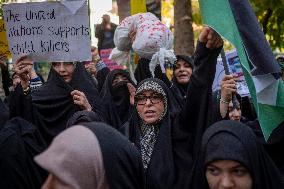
(142, 72)
(6, 81)
(20, 104)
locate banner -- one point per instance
(49, 31)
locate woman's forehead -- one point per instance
(182, 62)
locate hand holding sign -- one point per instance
(23, 67)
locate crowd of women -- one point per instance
(102, 130)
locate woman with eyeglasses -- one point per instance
(69, 88)
(166, 143)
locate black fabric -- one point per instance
(231, 140)
(82, 117)
(6, 80)
(187, 59)
(123, 165)
(116, 99)
(101, 77)
(53, 104)
(20, 141)
(275, 145)
(142, 70)
(4, 114)
(20, 104)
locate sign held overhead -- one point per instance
(49, 31)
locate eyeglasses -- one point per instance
(154, 99)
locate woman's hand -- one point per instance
(228, 87)
(81, 100)
(212, 39)
(132, 91)
(23, 67)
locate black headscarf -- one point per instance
(122, 161)
(274, 145)
(53, 104)
(82, 117)
(115, 99)
(232, 140)
(4, 114)
(160, 171)
(142, 70)
(20, 141)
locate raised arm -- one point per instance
(198, 104)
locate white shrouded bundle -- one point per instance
(153, 41)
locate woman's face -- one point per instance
(182, 72)
(150, 106)
(64, 69)
(228, 174)
(235, 113)
(54, 183)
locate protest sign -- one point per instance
(109, 63)
(49, 31)
(235, 68)
(4, 48)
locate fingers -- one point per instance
(214, 41)
(132, 91)
(204, 34)
(80, 99)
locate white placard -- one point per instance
(49, 31)
(235, 68)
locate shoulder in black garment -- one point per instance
(20, 141)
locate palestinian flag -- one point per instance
(235, 21)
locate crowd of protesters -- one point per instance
(88, 127)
